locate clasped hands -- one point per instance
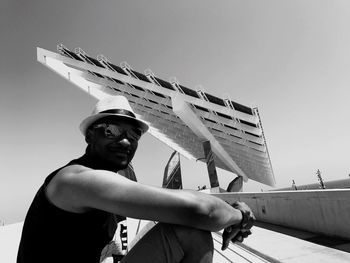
(241, 230)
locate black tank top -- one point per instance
(51, 234)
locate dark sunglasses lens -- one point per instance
(112, 131)
(138, 132)
(135, 134)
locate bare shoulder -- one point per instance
(77, 188)
(60, 190)
(66, 176)
(72, 169)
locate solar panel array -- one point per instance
(236, 128)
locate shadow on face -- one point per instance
(114, 150)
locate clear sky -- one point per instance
(289, 58)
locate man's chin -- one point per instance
(120, 164)
(123, 166)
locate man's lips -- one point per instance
(118, 150)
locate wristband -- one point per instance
(245, 219)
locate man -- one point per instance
(72, 216)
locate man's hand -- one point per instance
(237, 233)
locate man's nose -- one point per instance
(125, 141)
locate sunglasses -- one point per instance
(113, 131)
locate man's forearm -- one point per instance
(78, 189)
(216, 214)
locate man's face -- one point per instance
(113, 141)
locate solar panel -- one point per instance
(140, 76)
(214, 99)
(189, 92)
(164, 84)
(179, 116)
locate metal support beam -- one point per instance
(186, 114)
(209, 157)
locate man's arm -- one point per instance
(78, 189)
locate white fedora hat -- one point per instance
(117, 106)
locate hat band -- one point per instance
(120, 111)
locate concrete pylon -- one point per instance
(236, 185)
(209, 158)
(172, 173)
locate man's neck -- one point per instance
(95, 162)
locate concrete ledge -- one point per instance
(284, 248)
(324, 212)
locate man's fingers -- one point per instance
(225, 244)
(246, 233)
(228, 236)
(241, 236)
(249, 225)
(243, 230)
(238, 238)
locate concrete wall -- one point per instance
(335, 184)
(10, 236)
(319, 211)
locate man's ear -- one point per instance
(88, 136)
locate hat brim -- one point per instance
(92, 119)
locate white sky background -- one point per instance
(289, 58)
